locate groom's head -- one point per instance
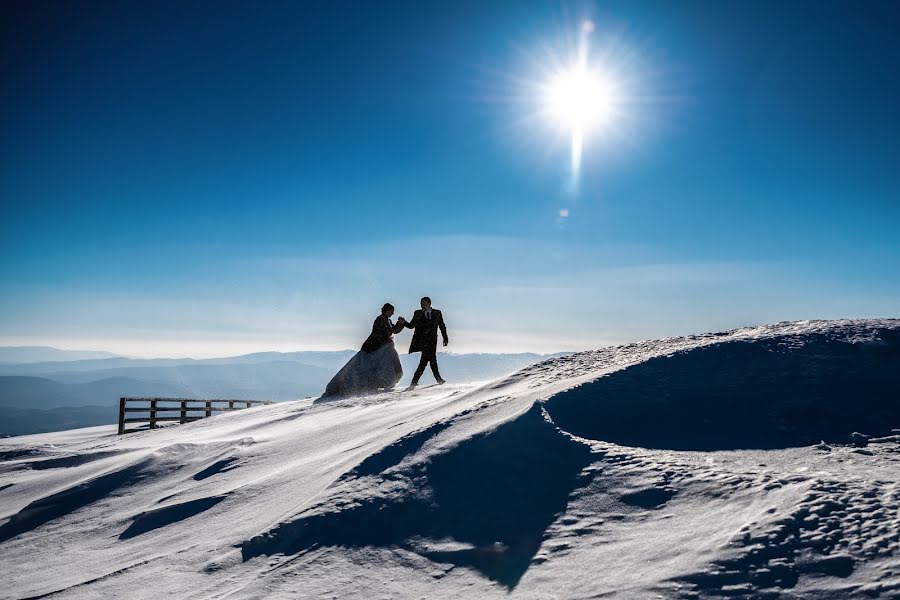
(425, 303)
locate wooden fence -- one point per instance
(181, 410)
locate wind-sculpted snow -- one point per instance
(484, 503)
(758, 463)
(62, 503)
(161, 517)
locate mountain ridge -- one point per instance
(31, 354)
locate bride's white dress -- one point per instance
(367, 373)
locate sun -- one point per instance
(580, 99)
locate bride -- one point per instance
(376, 366)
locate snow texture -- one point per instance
(758, 463)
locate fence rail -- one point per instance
(187, 410)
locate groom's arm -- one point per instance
(415, 321)
(443, 329)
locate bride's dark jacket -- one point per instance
(382, 330)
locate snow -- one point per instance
(716, 465)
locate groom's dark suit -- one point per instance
(425, 339)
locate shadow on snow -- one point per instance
(484, 504)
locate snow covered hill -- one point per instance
(762, 462)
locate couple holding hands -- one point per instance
(376, 367)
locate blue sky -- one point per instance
(212, 178)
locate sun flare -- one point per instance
(580, 99)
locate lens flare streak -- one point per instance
(580, 99)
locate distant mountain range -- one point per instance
(31, 354)
(75, 390)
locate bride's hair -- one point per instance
(387, 306)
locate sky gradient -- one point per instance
(206, 179)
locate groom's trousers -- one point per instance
(429, 356)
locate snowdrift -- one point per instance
(793, 389)
(679, 468)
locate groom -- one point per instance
(426, 323)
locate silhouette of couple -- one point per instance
(377, 365)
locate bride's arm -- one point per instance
(398, 326)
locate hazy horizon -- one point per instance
(221, 351)
(176, 356)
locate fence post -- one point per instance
(121, 416)
(231, 405)
(208, 408)
(153, 414)
(183, 411)
(248, 404)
